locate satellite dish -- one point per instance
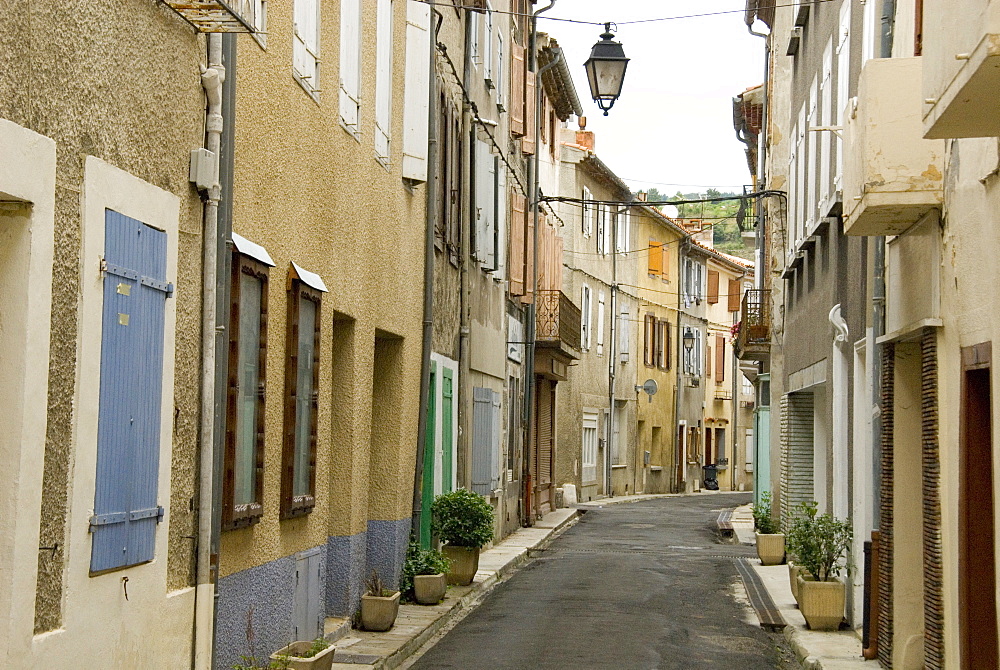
(649, 388)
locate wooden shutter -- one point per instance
(713, 287)
(655, 258)
(557, 255)
(720, 358)
(649, 340)
(708, 360)
(529, 255)
(415, 91)
(530, 91)
(665, 267)
(496, 431)
(668, 347)
(517, 241)
(517, 90)
(123, 526)
(482, 439)
(734, 295)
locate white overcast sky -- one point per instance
(672, 127)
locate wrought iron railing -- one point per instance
(558, 319)
(755, 327)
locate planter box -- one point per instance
(321, 661)
(771, 548)
(464, 564)
(822, 603)
(378, 613)
(429, 589)
(794, 570)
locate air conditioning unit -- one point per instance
(694, 382)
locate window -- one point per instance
(487, 429)
(600, 323)
(694, 357)
(243, 459)
(663, 345)
(602, 229)
(624, 333)
(305, 64)
(617, 454)
(416, 88)
(588, 212)
(487, 242)
(260, 21)
(498, 72)
(649, 340)
(747, 387)
(622, 220)
(350, 64)
(488, 46)
(720, 446)
(298, 468)
(655, 259)
(713, 287)
(589, 447)
(585, 322)
(383, 78)
(720, 359)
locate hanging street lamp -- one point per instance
(606, 70)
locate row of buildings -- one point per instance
(874, 139)
(272, 277)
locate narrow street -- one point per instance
(642, 585)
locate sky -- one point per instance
(672, 127)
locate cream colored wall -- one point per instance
(660, 298)
(309, 192)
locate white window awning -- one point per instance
(252, 249)
(310, 279)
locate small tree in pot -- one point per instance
(820, 542)
(770, 543)
(464, 520)
(379, 605)
(424, 575)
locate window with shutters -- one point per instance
(487, 431)
(735, 295)
(720, 359)
(588, 213)
(530, 91)
(498, 73)
(486, 207)
(649, 340)
(713, 287)
(663, 344)
(305, 51)
(720, 446)
(625, 333)
(589, 447)
(383, 78)
(416, 88)
(243, 459)
(655, 259)
(665, 262)
(487, 47)
(518, 221)
(298, 475)
(517, 84)
(600, 323)
(260, 21)
(623, 223)
(585, 320)
(350, 65)
(602, 229)
(126, 506)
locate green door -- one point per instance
(427, 485)
(447, 441)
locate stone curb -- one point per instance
(470, 600)
(604, 502)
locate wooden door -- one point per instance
(544, 445)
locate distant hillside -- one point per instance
(721, 215)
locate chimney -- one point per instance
(641, 196)
(584, 137)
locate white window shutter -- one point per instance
(600, 323)
(416, 91)
(350, 63)
(588, 213)
(485, 205)
(496, 432)
(306, 42)
(501, 219)
(383, 77)
(624, 334)
(488, 46)
(482, 440)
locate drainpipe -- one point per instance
(465, 252)
(679, 384)
(212, 78)
(531, 510)
(430, 222)
(733, 461)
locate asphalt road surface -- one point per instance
(631, 586)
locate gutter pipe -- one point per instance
(212, 78)
(428, 324)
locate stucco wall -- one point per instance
(120, 81)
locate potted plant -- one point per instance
(424, 575)
(770, 543)
(820, 542)
(464, 520)
(797, 532)
(379, 605)
(304, 655)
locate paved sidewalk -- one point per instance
(617, 500)
(416, 624)
(840, 650)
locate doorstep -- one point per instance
(816, 650)
(416, 624)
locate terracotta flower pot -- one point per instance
(771, 548)
(429, 589)
(464, 564)
(821, 603)
(378, 613)
(323, 660)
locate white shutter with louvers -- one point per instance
(416, 90)
(383, 78)
(600, 323)
(624, 334)
(350, 63)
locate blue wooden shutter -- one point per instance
(495, 442)
(128, 425)
(482, 440)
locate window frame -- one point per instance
(291, 505)
(232, 517)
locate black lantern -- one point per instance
(606, 70)
(688, 339)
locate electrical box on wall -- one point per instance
(202, 170)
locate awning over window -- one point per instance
(254, 251)
(310, 279)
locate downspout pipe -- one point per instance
(430, 221)
(212, 78)
(529, 396)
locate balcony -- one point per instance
(892, 176)
(216, 16)
(557, 334)
(962, 69)
(753, 341)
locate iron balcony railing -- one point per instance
(754, 337)
(558, 319)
